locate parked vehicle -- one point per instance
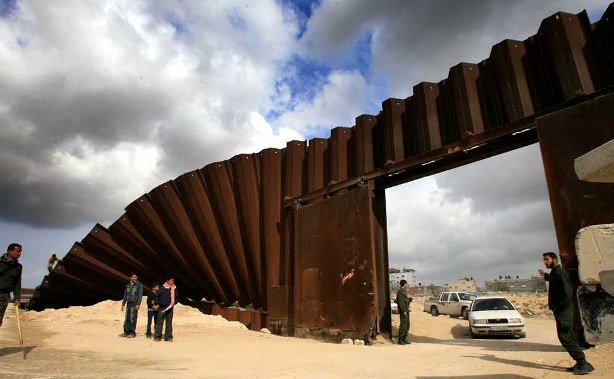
(455, 304)
(495, 315)
(394, 307)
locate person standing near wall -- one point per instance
(10, 278)
(133, 294)
(151, 311)
(403, 301)
(166, 298)
(52, 259)
(559, 301)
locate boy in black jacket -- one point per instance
(166, 298)
(151, 312)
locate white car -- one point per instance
(495, 315)
(394, 307)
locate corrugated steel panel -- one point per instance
(600, 48)
(424, 134)
(318, 164)
(271, 163)
(220, 185)
(364, 143)
(392, 118)
(247, 190)
(342, 155)
(197, 205)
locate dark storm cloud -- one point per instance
(102, 116)
(59, 205)
(120, 97)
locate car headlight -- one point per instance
(480, 321)
(515, 320)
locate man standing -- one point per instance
(166, 298)
(52, 259)
(10, 277)
(133, 294)
(559, 301)
(403, 301)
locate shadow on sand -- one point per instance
(12, 350)
(460, 334)
(535, 365)
(490, 376)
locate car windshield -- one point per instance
(466, 296)
(492, 305)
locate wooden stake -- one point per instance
(18, 323)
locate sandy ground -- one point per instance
(83, 342)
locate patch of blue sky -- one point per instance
(236, 20)
(304, 78)
(7, 7)
(182, 28)
(360, 56)
(302, 9)
(595, 14)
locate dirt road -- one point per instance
(83, 343)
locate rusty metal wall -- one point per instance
(226, 230)
(335, 289)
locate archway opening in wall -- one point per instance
(485, 224)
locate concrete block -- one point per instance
(359, 342)
(607, 281)
(597, 165)
(347, 341)
(595, 250)
(596, 314)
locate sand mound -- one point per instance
(109, 313)
(531, 305)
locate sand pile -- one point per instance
(109, 313)
(531, 305)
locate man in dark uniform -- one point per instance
(404, 308)
(559, 301)
(10, 278)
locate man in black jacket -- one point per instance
(10, 277)
(559, 301)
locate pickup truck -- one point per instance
(456, 304)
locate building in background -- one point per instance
(463, 285)
(508, 284)
(395, 276)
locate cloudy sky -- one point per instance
(100, 101)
